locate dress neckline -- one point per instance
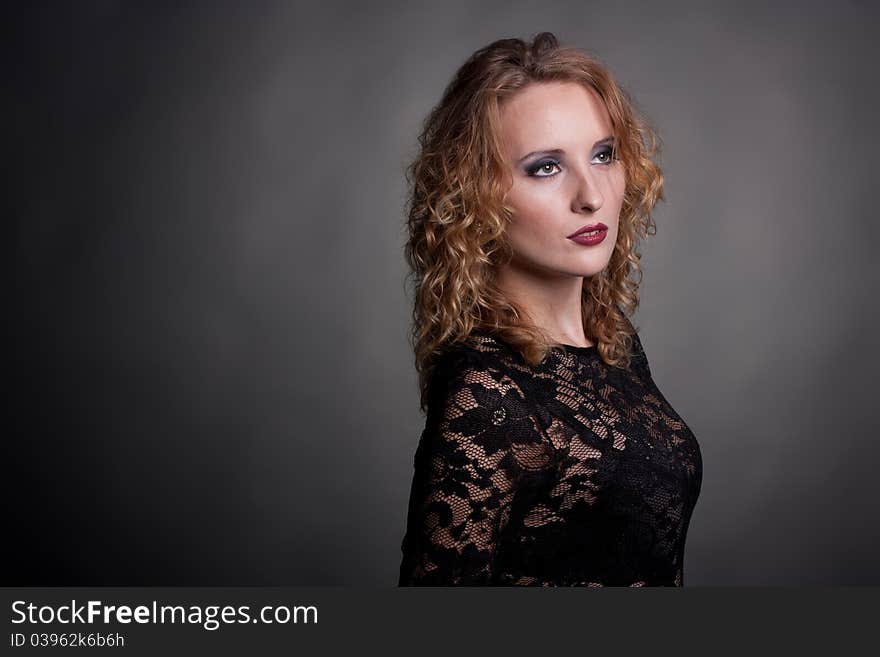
(577, 349)
(573, 348)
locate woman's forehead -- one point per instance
(543, 114)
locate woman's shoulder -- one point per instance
(476, 376)
(479, 356)
(480, 349)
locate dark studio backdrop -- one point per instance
(211, 382)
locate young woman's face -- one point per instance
(565, 177)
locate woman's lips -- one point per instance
(583, 229)
(590, 235)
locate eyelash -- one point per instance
(543, 163)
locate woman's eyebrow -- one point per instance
(559, 151)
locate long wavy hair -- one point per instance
(456, 211)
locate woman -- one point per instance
(549, 456)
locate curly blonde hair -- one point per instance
(456, 212)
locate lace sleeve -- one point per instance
(464, 479)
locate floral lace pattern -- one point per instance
(572, 473)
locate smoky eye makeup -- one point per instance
(543, 167)
(609, 153)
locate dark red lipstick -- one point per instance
(589, 235)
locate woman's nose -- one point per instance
(587, 195)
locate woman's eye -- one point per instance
(544, 169)
(607, 155)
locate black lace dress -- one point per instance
(571, 473)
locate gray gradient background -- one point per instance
(209, 316)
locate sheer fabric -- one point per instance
(572, 473)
